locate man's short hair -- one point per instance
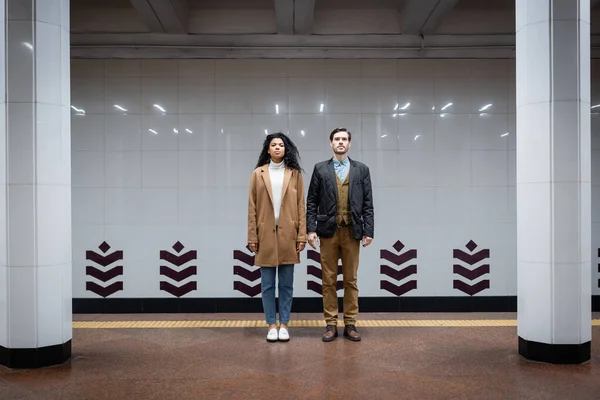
(340, 129)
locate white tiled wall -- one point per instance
(175, 165)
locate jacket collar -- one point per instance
(330, 161)
(332, 175)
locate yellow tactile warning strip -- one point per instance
(300, 323)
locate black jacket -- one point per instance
(321, 203)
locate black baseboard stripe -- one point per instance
(302, 304)
(555, 353)
(35, 358)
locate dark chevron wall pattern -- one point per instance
(248, 272)
(314, 257)
(403, 272)
(177, 272)
(103, 272)
(469, 271)
(394, 272)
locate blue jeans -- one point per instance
(286, 292)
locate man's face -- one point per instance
(340, 143)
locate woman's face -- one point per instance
(277, 149)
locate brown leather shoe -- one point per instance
(351, 333)
(330, 333)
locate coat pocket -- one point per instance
(261, 231)
(296, 228)
(290, 230)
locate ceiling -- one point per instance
(295, 28)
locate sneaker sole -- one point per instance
(284, 340)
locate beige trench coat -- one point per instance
(276, 246)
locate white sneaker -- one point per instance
(272, 335)
(284, 335)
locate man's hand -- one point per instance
(313, 240)
(300, 246)
(366, 241)
(253, 247)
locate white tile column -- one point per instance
(35, 209)
(553, 180)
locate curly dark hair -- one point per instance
(291, 157)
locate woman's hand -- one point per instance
(253, 247)
(300, 246)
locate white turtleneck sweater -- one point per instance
(276, 172)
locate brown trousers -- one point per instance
(341, 245)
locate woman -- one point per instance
(277, 226)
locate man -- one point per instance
(339, 214)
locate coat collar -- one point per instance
(286, 181)
(264, 172)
